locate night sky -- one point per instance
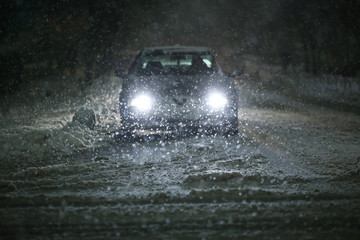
(47, 38)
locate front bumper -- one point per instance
(168, 116)
(159, 126)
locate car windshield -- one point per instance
(160, 62)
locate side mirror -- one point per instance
(120, 73)
(235, 73)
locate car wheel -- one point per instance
(232, 127)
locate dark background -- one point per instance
(86, 38)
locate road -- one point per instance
(290, 174)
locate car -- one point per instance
(177, 90)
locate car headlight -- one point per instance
(142, 102)
(217, 100)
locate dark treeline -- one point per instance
(322, 35)
(86, 37)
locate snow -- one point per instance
(292, 170)
(327, 88)
(38, 129)
(86, 117)
(41, 128)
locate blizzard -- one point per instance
(292, 171)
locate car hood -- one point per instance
(178, 85)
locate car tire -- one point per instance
(231, 127)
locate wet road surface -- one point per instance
(288, 175)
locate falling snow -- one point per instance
(293, 167)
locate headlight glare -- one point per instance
(217, 100)
(142, 102)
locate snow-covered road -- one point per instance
(291, 174)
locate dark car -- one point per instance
(177, 89)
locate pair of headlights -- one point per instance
(144, 102)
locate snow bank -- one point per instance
(329, 88)
(277, 85)
(27, 146)
(40, 129)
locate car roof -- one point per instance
(178, 48)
